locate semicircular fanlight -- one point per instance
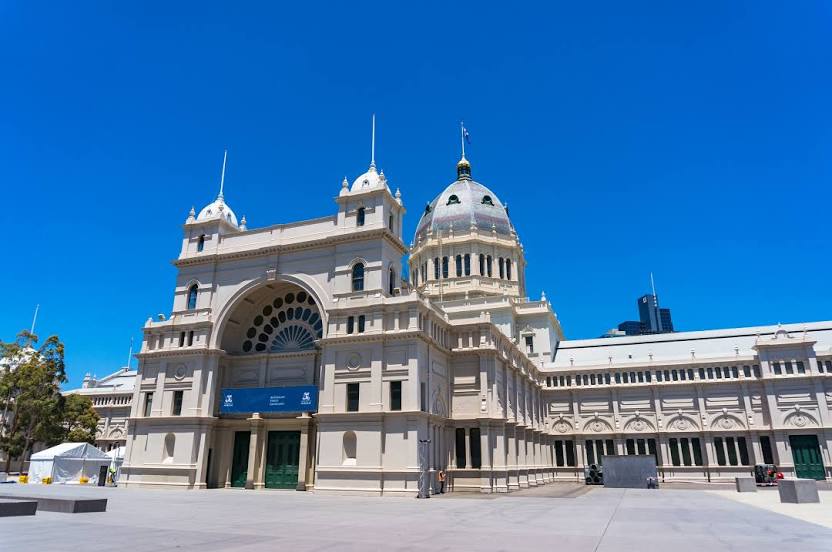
(294, 337)
(289, 323)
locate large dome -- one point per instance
(463, 204)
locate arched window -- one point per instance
(502, 265)
(358, 277)
(350, 446)
(444, 267)
(482, 264)
(467, 264)
(200, 245)
(436, 268)
(488, 265)
(486, 200)
(453, 200)
(458, 266)
(391, 284)
(359, 217)
(192, 291)
(390, 223)
(508, 269)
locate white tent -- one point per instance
(67, 463)
(116, 460)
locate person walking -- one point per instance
(441, 475)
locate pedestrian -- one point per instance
(442, 477)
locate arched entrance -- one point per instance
(270, 335)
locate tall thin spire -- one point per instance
(130, 354)
(222, 178)
(373, 144)
(653, 286)
(35, 318)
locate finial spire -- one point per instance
(222, 178)
(462, 134)
(35, 319)
(373, 144)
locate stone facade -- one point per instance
(111, 398)
(455, 369)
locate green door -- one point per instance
(282, 458)
(239, 461)
(808, 463)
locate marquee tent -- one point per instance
(67, 463)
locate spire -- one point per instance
(222, 178)
(373, 144)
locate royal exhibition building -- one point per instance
(298, 356)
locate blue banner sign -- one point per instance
(302, 398)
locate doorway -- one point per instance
(808, 463)
(282, 459)
(239, 459)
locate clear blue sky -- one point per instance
(694, 141)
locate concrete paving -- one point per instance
(602, 520)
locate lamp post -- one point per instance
(423, 468)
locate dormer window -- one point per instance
(453, 200)
(486, 200)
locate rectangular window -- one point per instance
(148, 403)
(570, 453)
(592, 379)
(641, 377)
(467, 264)
(789, 367)
(801, 369)
(720, 451)
(820, 366)
(444, 267)
(765, 446)
(675, 375)
(648, 376)
(190, 338)
(667, 375)
(743, 450)
(610, 447)
(685, 445)
(590, 452)
(488, 265)
(476, 456)
(732, 451)
(350, 324)
(682, 375)
(757, 373)
(690, 374)
(631, 446)
(436, 268)
(651, 449)
(697, 451)
(607, 378)
(395, 395)
(361, 321)
(776, 367)
(710, 373)
(482, 264)
(548, 382)
(640, 446)
(182, 339)
(725, 371)
(718, 372)
(734, 372)
(599, 451)
(746, 371)
(673, 444)
(458, 266)
(177, 402)
(701, 373)
(659, 376)
(460, 447)
(618, 377)
(352, 397)
(529, 343)
(626, 377)
(423, 397)
(559, 453)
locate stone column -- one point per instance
(511, 455)
(254, 479)
(486, 459)
(303, 459)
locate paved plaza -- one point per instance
(556, 517)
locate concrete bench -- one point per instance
(65, 505)
(798, 491)
(746, 484)
(17, 507)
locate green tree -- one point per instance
(79, 419)
(30, 393)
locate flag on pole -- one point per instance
(466, 135)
